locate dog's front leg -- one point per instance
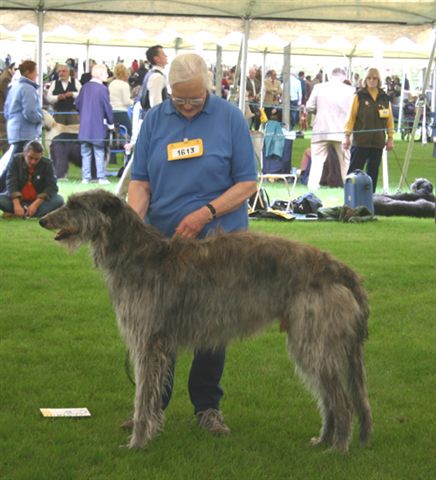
(151, 365)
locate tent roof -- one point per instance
(412, 12)
(341, 27)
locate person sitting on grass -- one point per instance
(31, 188)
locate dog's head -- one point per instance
(85, 217)
(422, 186)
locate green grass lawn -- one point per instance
(60, 348)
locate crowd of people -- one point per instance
(102, 99)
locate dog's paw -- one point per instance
(315, 441)
(136, 442)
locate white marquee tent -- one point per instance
(356, 28)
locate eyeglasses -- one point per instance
(195, 102)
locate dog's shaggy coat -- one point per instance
(201, 294)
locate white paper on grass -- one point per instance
(65, 412)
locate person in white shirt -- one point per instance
(154, 86)
(62, 94)
(331, 102)
(119, 96)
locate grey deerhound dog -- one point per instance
(201, 294)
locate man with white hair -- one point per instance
(331, 102)
(253, 87)
(62, 93)
(193, 170)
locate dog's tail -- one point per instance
(356, 367)
(342, 274)
(359, 394)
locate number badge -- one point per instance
(185, 150)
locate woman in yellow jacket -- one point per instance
(370, 117)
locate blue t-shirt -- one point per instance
(179, 187)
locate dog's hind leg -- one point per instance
(317, 340)
(328, 424)
(340, 413)
(151, 369)
(334, 405)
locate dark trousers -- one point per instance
(295, 113)
(122, 118)
(204, 381)
(369, 156)
(255, 120)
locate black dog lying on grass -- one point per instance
(418, 203)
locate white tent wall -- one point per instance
(308, 38)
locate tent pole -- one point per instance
(87, 56)
(385, 171)
(286, 104)
(420, 103)
(424, 119)
(39, 44)
(234, 89)
(433, 96)
(262, 86)
(218, 70)
(400, 110)
(243, 83)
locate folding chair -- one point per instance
(279, 169)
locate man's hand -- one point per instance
(31, 210)
(64, 96)
(346, 143)
(19, 210)
(194, 223)
(33, 207)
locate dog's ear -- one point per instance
(111, 205)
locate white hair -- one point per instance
(339, 74)
(188, 66)
(100, 72)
